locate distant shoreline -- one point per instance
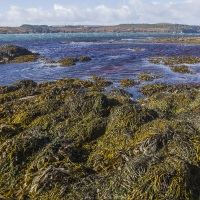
(134, 28)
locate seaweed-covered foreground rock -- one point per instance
(68, 140)
(9, 53)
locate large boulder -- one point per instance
(10, 52)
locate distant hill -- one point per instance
(154, 28)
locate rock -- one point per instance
(66, 62)
(71, 61)
(84, 58)
(129, 82)
(10, 52)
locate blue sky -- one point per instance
(96, 12)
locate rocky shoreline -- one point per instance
(73, 139)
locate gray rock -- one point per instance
(9, 52)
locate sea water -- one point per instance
(112, 54)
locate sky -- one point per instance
(98, 12)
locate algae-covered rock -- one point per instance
(70, 61)
(68, 140)
(182, 69)
(173, 101)
(151, 89)
(84, 58)
(129, 82)
(123, 121)
(118, 95)
(26, 58)
(15, 53)
(101, 81)
(175, 60)
(168, 180)
(153, 163)
(146, 77)
(177, 63)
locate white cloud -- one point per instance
(18, 15)
(167, 11)
(60, 14)
(133, 11)
(62, 11)
(105, 14)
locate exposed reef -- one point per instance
(17, 54)
(70, 61)
(147, 76)
(177, 63)
(12, 53)
(68, 140)
(181, 40)
(129, 82)
(182, 69)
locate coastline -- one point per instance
(135, 28)
(73, 138)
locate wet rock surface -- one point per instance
(71, 61)
(10, 52)
(68, 140)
